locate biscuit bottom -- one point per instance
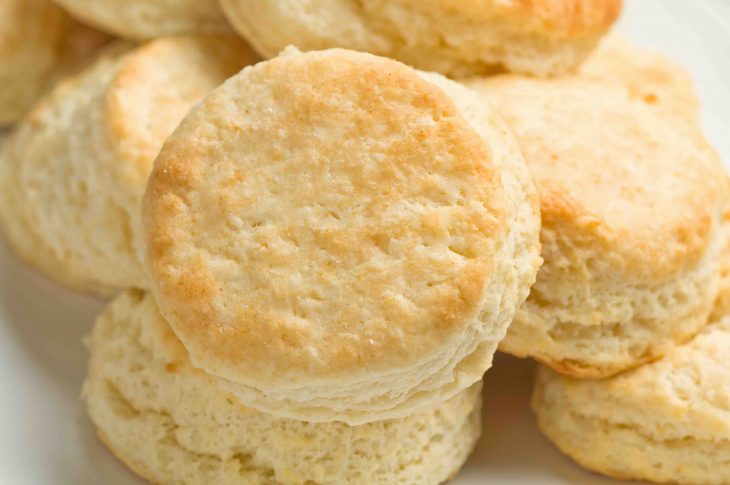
(171, 423)
(668, 421)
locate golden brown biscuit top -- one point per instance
(155, 86)
(637, 187)
(322, 214)
(555, 18)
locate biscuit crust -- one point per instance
(543, 37)
(632, 226)
(329, 230)
(148, 19)
(74, 172)
(666, 422)
(171, 423)
(648, 76)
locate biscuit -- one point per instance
(668, 421)
(542, 37)
(171, 423)
(648, 76)
(341, 237)
(73, 174)
(147, 19)
(39, 43)
(632, 227)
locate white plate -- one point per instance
(45, 437)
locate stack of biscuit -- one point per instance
(318, 234)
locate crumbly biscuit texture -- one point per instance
(665, 422)
(172, 423)
(541, 37)
(632, 226)
(148, 19)
(722, 303)
(340, 238)
(39, 43)
(74, 172)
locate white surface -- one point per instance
(46, 438)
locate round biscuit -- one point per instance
(665, 422)
(469, 37)
(73, 174)
(171, 423)
(341, 237)
(632, 224)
